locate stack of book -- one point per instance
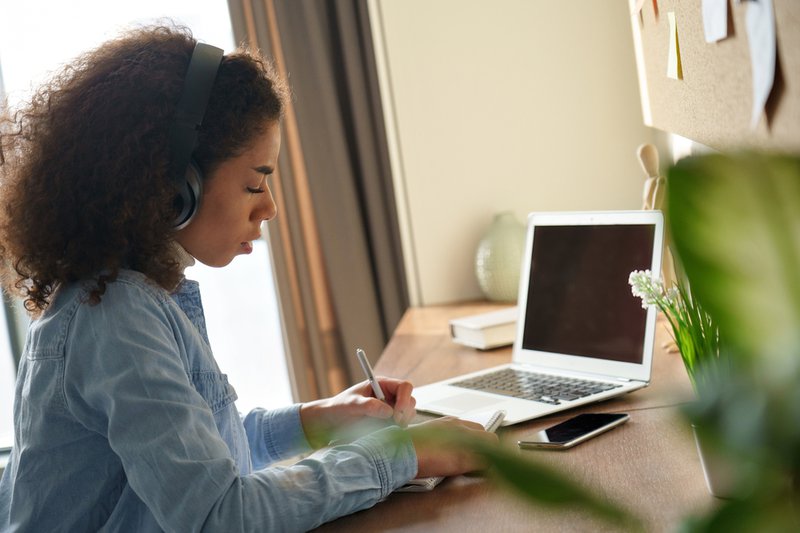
(486, 330)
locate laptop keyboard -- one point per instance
(543, 388)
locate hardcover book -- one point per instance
(486, 330)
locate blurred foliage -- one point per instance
(735, 223)
(532, 480)
(538, 483)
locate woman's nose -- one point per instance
(267, 209)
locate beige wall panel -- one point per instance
(505, 105)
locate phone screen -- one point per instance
(575, 430)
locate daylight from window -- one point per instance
(6, 385)
(36, 39)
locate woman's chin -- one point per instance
(217, 262)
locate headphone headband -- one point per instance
(188, 118)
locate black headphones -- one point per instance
(188, 118)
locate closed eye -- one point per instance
(265, 171)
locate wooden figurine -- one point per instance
(653, 197)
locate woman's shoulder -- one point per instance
(129, 300)
(128, 288)
(130, 282)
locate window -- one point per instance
(245, 332)
(240, 302)
(6, 384)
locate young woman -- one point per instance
(123, 421)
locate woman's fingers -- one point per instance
(440, 447)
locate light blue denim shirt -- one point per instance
(123, 422)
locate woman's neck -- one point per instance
(183, 257)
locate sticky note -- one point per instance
(715, 20)
(674, 69)
(761, 36)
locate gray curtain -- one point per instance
(338, 261)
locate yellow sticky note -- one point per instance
(674, 69)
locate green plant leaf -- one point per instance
(534, 481)
(735, 223)
(540, 484)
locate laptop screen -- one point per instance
(579, 301)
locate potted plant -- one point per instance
(735, 224)
(697, 337)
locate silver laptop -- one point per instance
(581, 335)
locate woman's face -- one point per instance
(236, 199)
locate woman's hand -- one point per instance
(440, 446)
(324, 419)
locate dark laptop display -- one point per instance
(579, 301)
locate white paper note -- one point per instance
(761, 37)
(674, 69)
(715, 20)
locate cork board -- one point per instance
(712, 103)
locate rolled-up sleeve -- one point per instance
(329, 484)
(125, 379)
(275, 435)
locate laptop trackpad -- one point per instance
(460, 403)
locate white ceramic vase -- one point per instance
(499, 257)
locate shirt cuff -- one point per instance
(280, 432)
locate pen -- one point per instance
(362, 358)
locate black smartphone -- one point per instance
(574, 431)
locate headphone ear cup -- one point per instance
(187, 202)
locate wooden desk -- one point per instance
(649, 465)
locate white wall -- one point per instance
(496, 105)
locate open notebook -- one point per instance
(581, 335)
(490, 420)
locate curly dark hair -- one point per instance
(84, 188)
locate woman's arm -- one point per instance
(125, 380)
